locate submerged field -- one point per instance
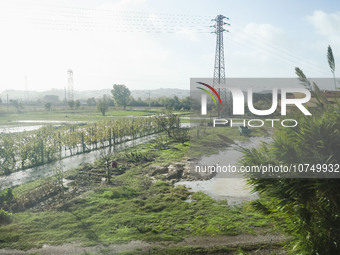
(86, 114)
(139, 204)
(85, 207)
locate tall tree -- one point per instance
(71, 104)
(121, 95)
(91, 101)
(16, 104)
(77, 104)
(48, 106)
(102, 106)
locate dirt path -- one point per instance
(203, 242)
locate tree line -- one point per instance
(49, 143)
(120, 97)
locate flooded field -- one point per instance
(18, 129)
(225, 186)
(31, 125)
(31, 174)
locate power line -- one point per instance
(55, 17)
(281, 52)
(70, 18)
(76, 10)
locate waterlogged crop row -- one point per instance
(47, 144)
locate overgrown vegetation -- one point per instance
(28, 149)
(207, 140)
(132, 207)
(307, 209)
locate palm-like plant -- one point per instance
(321, 99)
(331, 63)
(307, 209)
(330, 58)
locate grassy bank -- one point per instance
(87, 114)
(137, 205)
(209, 140)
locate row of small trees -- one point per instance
(29, 149)
(121, 95)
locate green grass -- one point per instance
(207, 140)
(22, 189)
(88, 114)
(134, 208)
(103, 218)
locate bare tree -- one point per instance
(105, 155)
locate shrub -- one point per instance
(5, 217)
(307, 209)
(119, 192)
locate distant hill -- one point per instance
(83, 95)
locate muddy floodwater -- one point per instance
(223, 186)
(18, 129)
(31, 125)
(31, 174)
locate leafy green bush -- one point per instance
(307, 209)
(6, 198)
(161, 142)
(5, 217)
(119, 192)
(138, 156)
(181, 135)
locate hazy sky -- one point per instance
(149, 44)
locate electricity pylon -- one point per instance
(219, 67)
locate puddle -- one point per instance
(31, 174)
(234, 190)
(18, 129)
(225, 186)
(50, 121)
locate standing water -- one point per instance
(221, 187)
(31, 174)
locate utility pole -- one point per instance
(219, 68)
(149, 100)
(26, 89)
(70, 84)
